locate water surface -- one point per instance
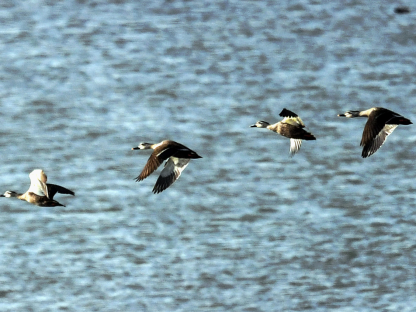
(245, 228)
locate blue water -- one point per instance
(245, 228)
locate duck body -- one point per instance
(291, 127)
(40, 193)
(177, 155)
(380, 124)
(35, 199)
(290, 130)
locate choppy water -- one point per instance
(246, 228)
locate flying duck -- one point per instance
(381, 122)
(291, 127)
(177, 155)
(40, 193)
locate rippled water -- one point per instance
(245, 228)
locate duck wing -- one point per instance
(375, 124)
(154, 161)
(291, 118)
(294, 146)
(172, 171)
(287, 113)
(373, 145)
(53, 189)
(38, 183)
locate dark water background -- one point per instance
(245, 228)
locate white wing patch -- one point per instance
(295, 146)
(38, 183)
(294, 121)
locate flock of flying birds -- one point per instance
(381, 122)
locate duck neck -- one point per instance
(146, 146)
(365, 113)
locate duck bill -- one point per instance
(135, 148)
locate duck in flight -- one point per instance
(178, 157)
(40, 193)
(291, 127)
(380, 124)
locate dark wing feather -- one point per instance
(53, 189)
(172, 171)
(181, 151)
(287, 113)
(375, 123)
(295, 132)
(371, 147)
(398, 120)
(152, 164)
(158, 156)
